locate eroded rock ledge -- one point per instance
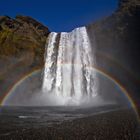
(22, 47)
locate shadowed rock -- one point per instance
(117, 49)
(22, 47)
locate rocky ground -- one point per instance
(115, 125)
(22, 47)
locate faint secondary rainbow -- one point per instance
(10, 91)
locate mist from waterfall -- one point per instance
(69, 78)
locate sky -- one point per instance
(60, 15)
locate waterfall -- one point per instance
(68, 71)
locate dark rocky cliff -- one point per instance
(22, 46)
(22, 42)
(117, 50)
(21, 35)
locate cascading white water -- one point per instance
(68, 72)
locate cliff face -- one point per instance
(21, 35)
(22, 42)
(117, 50)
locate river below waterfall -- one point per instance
(68, 122)
(37, 116)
